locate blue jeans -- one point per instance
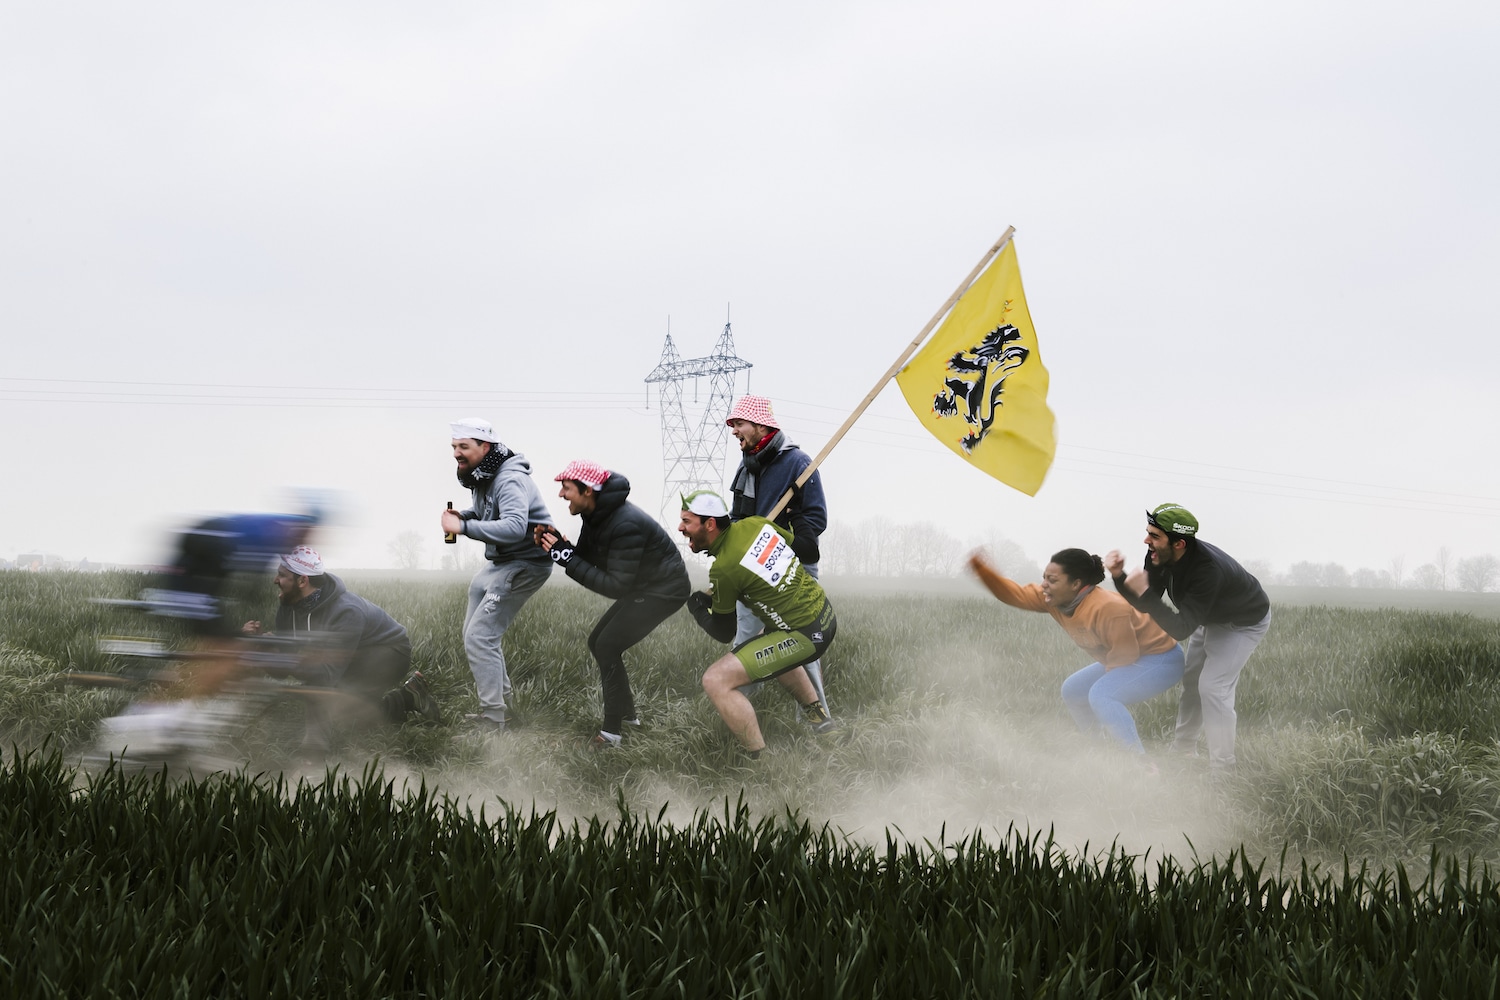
(1097, 697)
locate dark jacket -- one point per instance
(1206, 586)
(353, 624)
(623, 552)
(806, 514)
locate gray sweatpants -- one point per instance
(495, 596)
(1215, 656)
(748, 626)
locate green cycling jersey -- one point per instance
(754, 563)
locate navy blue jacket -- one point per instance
(806, 514)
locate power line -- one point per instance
(315, 397)
(895, 432)
(1181, 472)
(291, 388)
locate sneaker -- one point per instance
(634, 720)
(817, 719)
(421, 697)
(606, 741)
(485, 724)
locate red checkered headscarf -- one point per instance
(582, 471)
(756, 409)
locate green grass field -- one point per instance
(959, 838)
(1365, 732)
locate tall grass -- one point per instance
(233, 887)
(1367, 732)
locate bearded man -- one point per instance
(506, 506)
(769, 466)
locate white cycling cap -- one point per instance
(477, 428)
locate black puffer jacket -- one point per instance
(623, 552)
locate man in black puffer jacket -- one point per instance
(624, 554)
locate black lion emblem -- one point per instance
(980, 381)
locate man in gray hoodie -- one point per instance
(506, 506)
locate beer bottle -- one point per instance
(448, 536)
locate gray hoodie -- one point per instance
(504, 510)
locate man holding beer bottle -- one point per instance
(506, 504)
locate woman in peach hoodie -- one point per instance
(1134, 658)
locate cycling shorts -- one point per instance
(772, 653)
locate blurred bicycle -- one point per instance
(266, 710)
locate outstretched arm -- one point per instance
(1027, 598)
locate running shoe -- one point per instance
(817, 719)
(487, 725)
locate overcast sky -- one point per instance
(252, 247)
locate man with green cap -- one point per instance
(754, 563)
(1197, 593)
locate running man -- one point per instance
(506, 506)
(1216, 605)
(624, 554)
(753, 562)
(195, 587)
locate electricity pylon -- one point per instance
(693, 451)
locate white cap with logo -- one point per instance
(477, 428)
(303, 561)
(705, 503)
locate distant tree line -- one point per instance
(1475, 574)
(880, 547)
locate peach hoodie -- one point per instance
(1102, 624)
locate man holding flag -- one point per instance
(770, 465)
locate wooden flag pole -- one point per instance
(911, 349)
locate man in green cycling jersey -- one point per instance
(753, 563)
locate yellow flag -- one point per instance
(979, 384)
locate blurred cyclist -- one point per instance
(195, 586)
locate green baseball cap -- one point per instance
(1173, 519)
